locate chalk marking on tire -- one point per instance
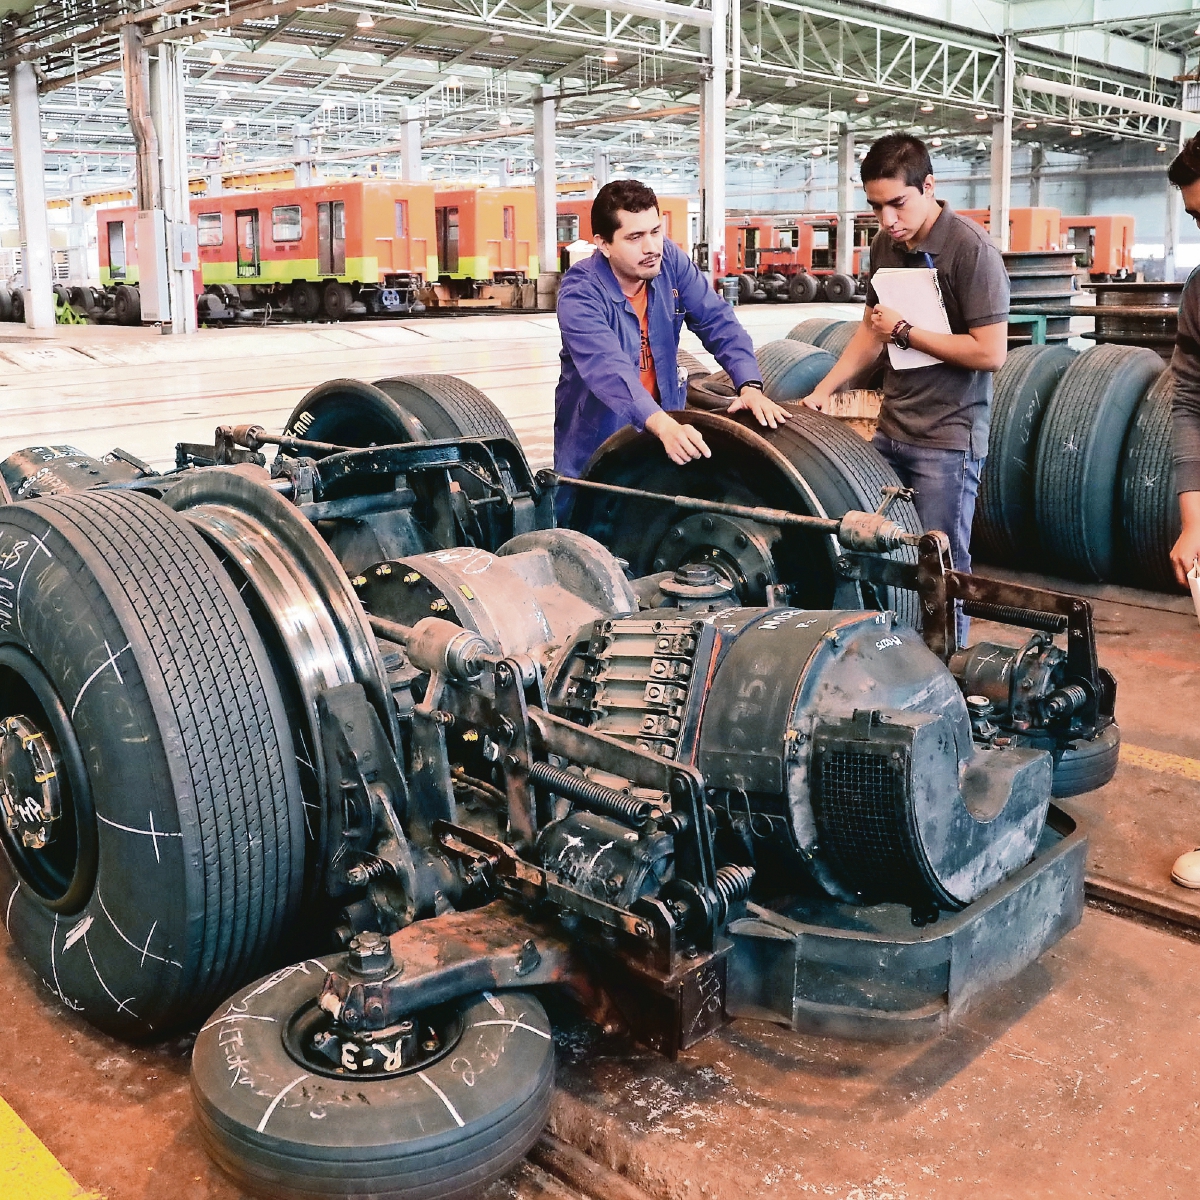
(122, 1005)
(272, 1106)
(444, 1098)
(111, 660)
(77, 932)
(71, 1004)
(516, 1024)
(143, 950)
(150, 833)
(236, 1017)
(8, 907)
(21, 581)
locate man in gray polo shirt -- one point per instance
(933, 426)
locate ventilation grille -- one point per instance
(862, 810)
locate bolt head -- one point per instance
(370, 954)
(359, 581)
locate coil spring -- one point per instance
(733, 884)
(1008, 614)
(595, 796)
(1066, 700)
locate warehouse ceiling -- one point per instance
(258, 69)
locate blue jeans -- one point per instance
(946, 483)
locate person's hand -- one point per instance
(883, 321)
(1185, 552)
(755, 401)
(817, 399)
(681, 442)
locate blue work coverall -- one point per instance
(600, 388)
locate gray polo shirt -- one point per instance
(944, 406)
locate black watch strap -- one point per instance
(757, 383)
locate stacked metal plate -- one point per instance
(1041, 282)
(1137, 314)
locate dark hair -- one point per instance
(628, 195)
(897, 156)
(1185, 169)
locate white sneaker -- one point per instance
(1186, 871)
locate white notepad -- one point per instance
(914, 293)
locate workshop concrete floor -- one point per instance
(1076, 1079)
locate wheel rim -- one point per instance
(640, 531)
(49, 826)
(318, 1044)
(305, 606)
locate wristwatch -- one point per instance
(900, 334)
(754, 383)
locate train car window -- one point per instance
(568, 227)
(402, 218)
(209, 226)
(116, 249)
(339, 221)
(285, 223)
(510, 221)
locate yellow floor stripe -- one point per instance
(28, 1171)
(1158, 760)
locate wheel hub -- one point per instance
(30, 793)
(740, 551)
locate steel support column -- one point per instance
(136, 63)
(411, 170)
(712, 140)
(1002, 149)
(1174, 221)
(168, 115)
(600, 170)
(545, 176)
(30, 171)
(302, 149)
(845, 201)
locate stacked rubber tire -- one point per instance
(834, 336)
(1078, 477)
(790, 369)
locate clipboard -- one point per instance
(915, 294)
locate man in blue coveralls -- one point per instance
(620, 314)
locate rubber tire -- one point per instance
(84, 298)
(802, 288)
(844, 472)
(305, 299)
(1150, 522)
(127, 305)
(348, 412)
(813, 330)
(18, 305)
(336, 300)
(1079, 454)
(838, 338)
(1005, 527)
(181, 729)
(790, 370)
(447, 407)
(839, 289)
(1085, 766)
(5, 304)
(391, 1139)
(747, 289)
(694, 368)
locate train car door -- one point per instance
(248, 244)
(508, 240)
(447, 239)
(331, 237)
(116, 250)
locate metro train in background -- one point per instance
(337, 249)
